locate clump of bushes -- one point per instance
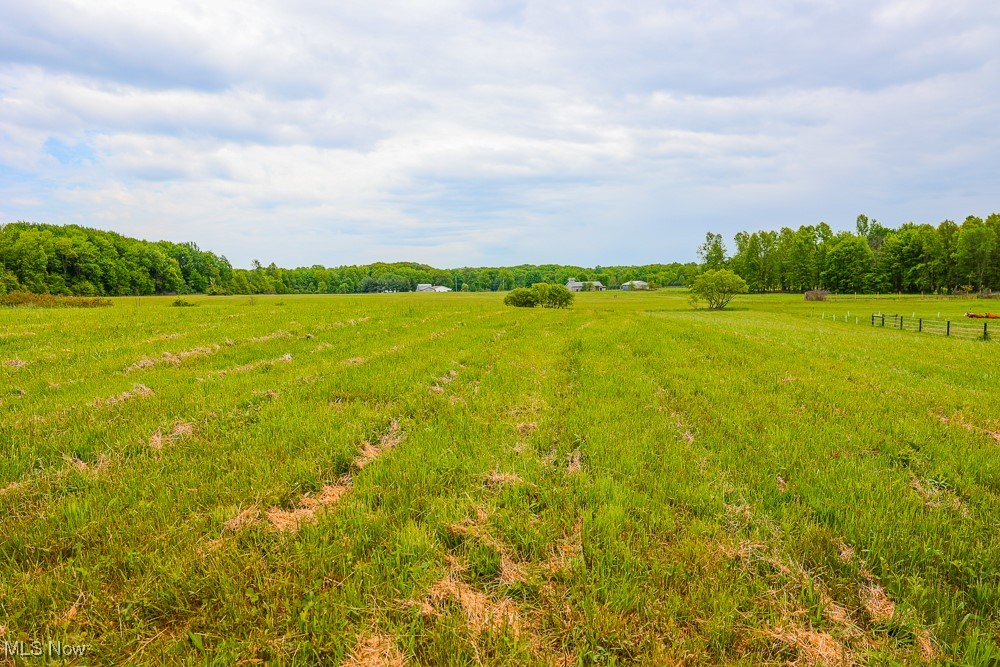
(183, 303)
(540, 294)
(29, 300)
(817, 295)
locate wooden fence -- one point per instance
(935, 326)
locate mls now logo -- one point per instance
(35, 649)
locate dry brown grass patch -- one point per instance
(245, 518)
(935, 497)
(14, 363)
(568, 550)
(813, 648)
(137, 391)
(527, 428)
(480, 612)
(74, 610)
(878, 604)
(281, 333)
(182, 429)
(289, 521)
(75, 464)
(158, 441)
(510, 571)
(928, 651)
(498, 479)
(247, 367)
(574, 462)
(354, 361)
(369, 452)
(375, 651)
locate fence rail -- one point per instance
(941, 327)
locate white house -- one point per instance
(635, 285)
(574, 285)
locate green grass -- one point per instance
(628, 481)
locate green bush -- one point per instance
(552, 296)
(183, 303)
(522, 297)
(717, 288)
(559, 297)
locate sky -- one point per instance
(588, 132)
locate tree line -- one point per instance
(79, 261)
(949, 258)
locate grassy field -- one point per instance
(439, 479)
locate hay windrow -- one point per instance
(281, 333)
(137, 391)
(172, 358)
(254, 365)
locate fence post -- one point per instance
(883, 320)
(947, 331)
(900, 322)
(986, 333)
(920, 324)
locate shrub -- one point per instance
(817, 295)
(522, 297)
(540, 294)
(717, 288)
(29, 300)
(183, 303)
(559, 297)
(552, 296)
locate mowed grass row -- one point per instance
(445, 481)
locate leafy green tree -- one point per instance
(974, 250)
(712, 252)
(717, 288)
(848, 264)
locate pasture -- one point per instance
(410, 479)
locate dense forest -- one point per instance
(946, 259)
(72, 260)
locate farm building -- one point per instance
(635, 285)
(427, 287)
(574, 285)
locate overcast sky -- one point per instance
(494, 132)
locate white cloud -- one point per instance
(493, 132)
